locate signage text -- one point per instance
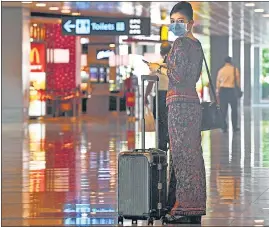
(105, 26)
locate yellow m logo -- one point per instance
(34, 56)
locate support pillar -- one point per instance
(219, 47)
(15, 64)
(15, 99)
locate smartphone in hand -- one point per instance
(146, 62)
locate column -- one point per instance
(219, 47)
(247, 75)
(256, 88)
(247, 58)
(248, 127)
(78, 101)
(15, 63)
(236, 53)
(15, 98)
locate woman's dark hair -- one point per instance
(184, 8)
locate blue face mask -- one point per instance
(179, 29)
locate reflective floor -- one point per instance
(65, 172)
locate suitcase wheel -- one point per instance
(120, 220)
(150, 221)
(164, 221)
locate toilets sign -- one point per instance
(83, 26)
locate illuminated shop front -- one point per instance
(54, 73)
(37, 104)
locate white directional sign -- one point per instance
(68, 26)
(105, 26)
(83, 26)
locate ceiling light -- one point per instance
(65, 11)
(266, 15)
(40, 4)
(259, 221)
(54, 8)
(250, 4)
(35, 25)
(76, 14)
(66, 7)
(258, 10)
(112, 45)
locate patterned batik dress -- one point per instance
(184, 123)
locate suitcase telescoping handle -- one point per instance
(143, 123)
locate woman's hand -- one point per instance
(153, 67)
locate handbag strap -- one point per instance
(210, 79)
(202, 82)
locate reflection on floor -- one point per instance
(65, 173)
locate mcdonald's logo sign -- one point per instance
(37, 57)
(34, 56)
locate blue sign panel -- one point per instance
(105, 26)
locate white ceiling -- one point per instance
(212, 18)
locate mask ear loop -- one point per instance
(188, 30)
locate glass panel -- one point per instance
(264, 76)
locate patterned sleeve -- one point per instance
(177, 62)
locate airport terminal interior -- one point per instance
(72, 102)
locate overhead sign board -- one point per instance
(105, 26)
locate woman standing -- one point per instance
(184, 65)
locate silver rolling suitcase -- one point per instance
(142, 177)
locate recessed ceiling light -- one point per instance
(258, 10)
(250, 4)
(54, 8)
(76, 14)
(66, 7)
(35, 25)
(259, 221)
(266, 15)
(65, 11)
(112, 45)
(40, 4)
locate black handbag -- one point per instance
(237, 90)
(212, 117)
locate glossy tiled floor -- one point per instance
(64, 173)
